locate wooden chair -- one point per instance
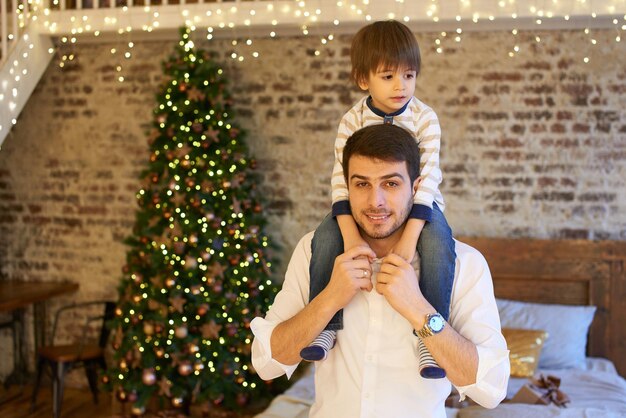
(87, 353)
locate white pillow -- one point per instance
(567, 327)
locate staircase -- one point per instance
(24, 56)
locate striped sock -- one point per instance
(319, 348)
(429, 369)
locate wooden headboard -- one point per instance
(569, 272)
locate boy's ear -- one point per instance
(363, 84)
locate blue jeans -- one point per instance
(437, 262)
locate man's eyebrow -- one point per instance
(385, 177)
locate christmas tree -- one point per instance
(197, 269)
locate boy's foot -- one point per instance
(319, 348)
(429, 369)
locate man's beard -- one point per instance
(382, 234)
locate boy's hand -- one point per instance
(348, 245)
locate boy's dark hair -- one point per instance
(383, 142)
(387, 44)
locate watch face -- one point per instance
(435, 323)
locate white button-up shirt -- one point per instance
(373, 369)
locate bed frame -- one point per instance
(570, 272)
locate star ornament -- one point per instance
(212, 134)
(164, 387)
(195, 94)
(216, 269)
(211, 330)
(178, 303)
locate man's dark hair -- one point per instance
(389, 44)
(383, 142)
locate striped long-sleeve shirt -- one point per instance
(421, 121)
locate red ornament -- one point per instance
(132, 396)
(242, 399)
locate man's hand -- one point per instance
(352, 272)
(398, 283)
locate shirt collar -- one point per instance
(382, 114)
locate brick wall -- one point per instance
(533, 146)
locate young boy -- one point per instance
(386, 61)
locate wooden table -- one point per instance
(15, 297)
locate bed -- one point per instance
(572, 290)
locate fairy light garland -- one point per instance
(324, 19)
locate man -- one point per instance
(373, 370)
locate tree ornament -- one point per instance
(190, 262)
(159, 352)
(177, 402)
(121, 395)
(211, 330)
(138, 410)
(179, 247)
(184, 368)
(148, 328)
(132, 396)
(242, 399)
(181, 332)
(231, 330)
(148, 377)
(218, 400)
(164, 387)
(193, 348)
(178, 303)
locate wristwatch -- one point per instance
(434, 325)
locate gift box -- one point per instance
(543, 390)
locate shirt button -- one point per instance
(369, 358)
(367, 396)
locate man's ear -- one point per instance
(416, 184)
